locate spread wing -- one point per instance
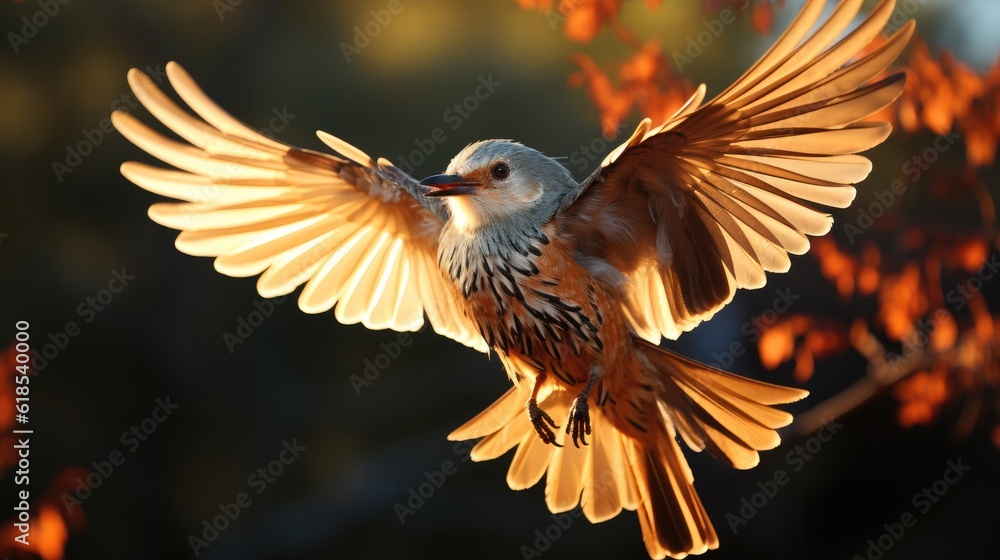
(706, 203)
(356, 232)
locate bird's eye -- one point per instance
(500, 171)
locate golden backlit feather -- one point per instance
(293, 216)
(729, 184)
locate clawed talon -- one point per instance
(543, 423)
(578, 424)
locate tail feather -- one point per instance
(493, 417)
(726, 414)
(605, 483)
(530, 462)
(731, 384)
(673, 520)
(609, 483)
(502, 440)
(634, 461)
(565, 480)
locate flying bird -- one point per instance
(571, 283)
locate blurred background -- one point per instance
(176, 414)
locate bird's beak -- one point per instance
(449, 185)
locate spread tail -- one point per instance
(634, 461)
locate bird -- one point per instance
(571, 284)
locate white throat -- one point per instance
(464, 215)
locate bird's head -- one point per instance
(499, 182)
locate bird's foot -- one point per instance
(578, 423)
(543, 423)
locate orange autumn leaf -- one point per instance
(869, 275)
(859, 335)
(776, 345)
(803, 338)
(980, 138)
(942, 94)
(915, 413)
(582, 19)
(7, 370)
(612, 104)
(982, 319)
(921, 396)
(836, 266)
(49, 534)
(826, 341)
(940, 90)
(967, 254)
(804, 364)
(981, 123)
(761, 13)
(818, 342)
(902, 299)
(945, 332)
(762, 17)
(642, 68)
(583, 23)
(645, 81)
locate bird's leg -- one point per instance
(578, 424)
(540, 419)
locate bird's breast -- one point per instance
(530, 300)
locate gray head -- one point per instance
(501, 182)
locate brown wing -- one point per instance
(356, 232)
(706, 203)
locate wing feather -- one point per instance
(356, 233)
(721, 193)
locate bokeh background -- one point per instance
(282, 66)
